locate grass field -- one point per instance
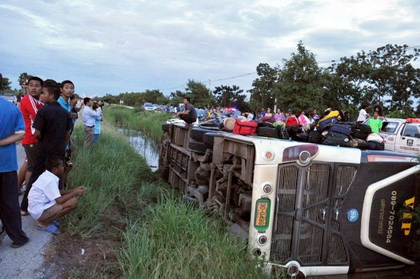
(149, 122)
(155, 234)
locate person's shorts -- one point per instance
(31, 151)
(49, 212)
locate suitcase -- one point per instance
(336, 139)
(326, 123)
(314, 136)
(270, 132)
(373, 145)
(342, 129)
(245, 128)
(359, 143)
(302, 136)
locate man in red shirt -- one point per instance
(29, 107)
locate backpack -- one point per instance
(342, 129)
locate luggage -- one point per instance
(228, 124)
(336, 139)
(359, 143)
(373, 145)
(342, 129)
(292, 131)
(375, 137)
(323, 124)
(245, 127)
(361, 131)
(314, 136)
(283, 134)
(270, 132)
(302, 136)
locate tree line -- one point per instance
(385, 76)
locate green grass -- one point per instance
(148, 122)
(111, 171)
(161, 235)
(177, 240)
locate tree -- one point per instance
(5, 83)
(176, 97)
(227, 96)
(384, 76)
(262, 95)
(23, 82)
(301, 82)
(200, 95)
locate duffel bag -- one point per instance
(315, 136)
(341, 129)
(323, 124)
(373, 145)
(245, 128)
(336, 139)
(375, 137)
(270, 132)
(359, 143)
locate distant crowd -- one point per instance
(43, 121)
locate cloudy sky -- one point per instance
(123, 46)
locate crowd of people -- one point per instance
(287, 118)
(43, 121)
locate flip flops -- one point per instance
(51, 229)
(56, 223)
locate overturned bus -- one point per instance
(308, 209)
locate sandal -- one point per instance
(51, 229)
(24, 213)
(55, 223)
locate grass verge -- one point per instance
(147, 121)
(152, 231)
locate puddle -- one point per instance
(144, 147)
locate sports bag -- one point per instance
(336, 139)
(375, 137)
(326, 123)
(245, 128)
(342, 129)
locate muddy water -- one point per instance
(144, 146)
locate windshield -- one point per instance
(389, 127)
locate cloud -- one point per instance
(118, 46)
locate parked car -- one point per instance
(11, 98)
(148, 107)
(401, 135)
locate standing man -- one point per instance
(363, 115)
(29, 106)
(189, 115)
(89, 118)
(11, 130)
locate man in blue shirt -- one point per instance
(12, 130)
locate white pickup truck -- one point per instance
(402, 135)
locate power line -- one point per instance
(252, 73)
